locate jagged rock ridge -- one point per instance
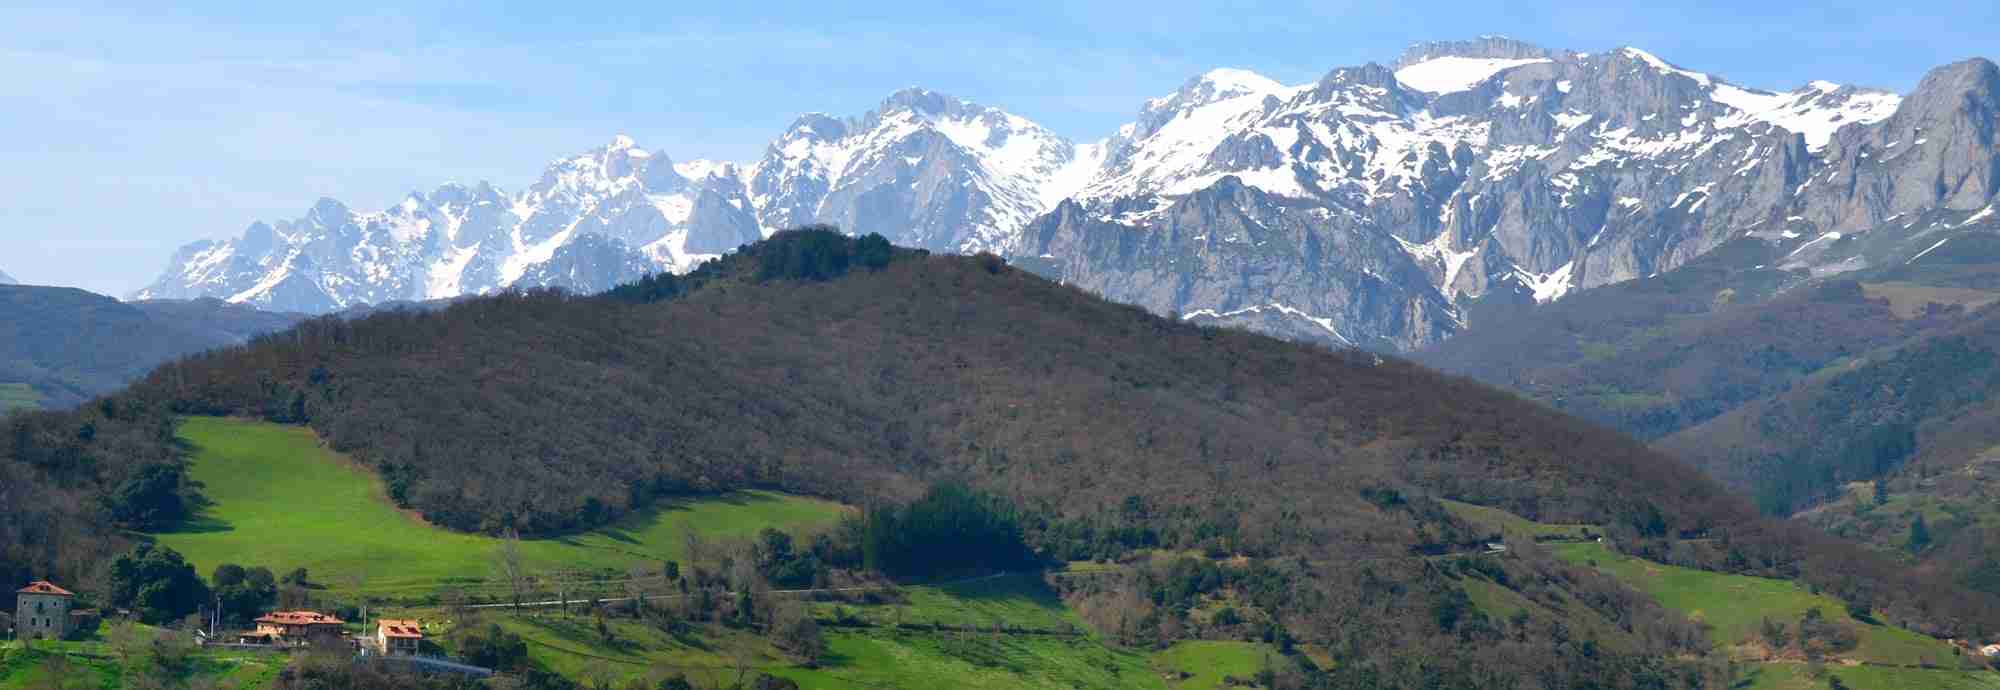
(1373, 207)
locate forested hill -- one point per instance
(831, 366)
(549, 413)
(1783, 385)
(69, 345)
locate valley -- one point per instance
(673, 346)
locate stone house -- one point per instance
(41, 610)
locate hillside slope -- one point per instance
(1669, 354)
(69, 345)
(841, 368)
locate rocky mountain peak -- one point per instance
(922, 101)
(1218, 85)
(1374, 206)
(1970, 86)
(1369, 74)
(1484, 47)
(814, 126)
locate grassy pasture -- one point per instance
(904, 659)
(1013, 601)
(1908, 300)
(1208, 663)
(1501, 521)
(1736, 605)
(1795, 676)
(283, 501)
(29, 666)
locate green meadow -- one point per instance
(1012, 601)
(281, 500)
(905, 659)
(1795, 676)
(1501, 521)
(1502, 603)
(1209, 664)
(37, 665)
(897, 650)
(1736, 605)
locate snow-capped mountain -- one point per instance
(923, 169)
(638, 210)
(1375, 206)
(7, 279)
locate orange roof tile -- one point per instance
(299, 618)
(398, 628)
(44, 587)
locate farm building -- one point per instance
(41, 610)
(294, 628)
(399, 637)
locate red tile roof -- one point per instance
(299, 618)
(405, 629)
(44, 587)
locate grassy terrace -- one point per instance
(1016, 601)
(283, 501)
(888, 656)
(93, 663)
(1737, 605)
(1801, 677)
(1503, 522)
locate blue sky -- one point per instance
(133, 129)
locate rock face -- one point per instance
(1386, 201)
(1373, 207)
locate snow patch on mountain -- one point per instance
(1816, 111)
(1547, 287)
(1664, 66)
(1451, 73)
(1323, 323)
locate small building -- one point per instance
(41, 610)
(399, 637)
(295, 628)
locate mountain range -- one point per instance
(7, 279)
(845, 368)
(1379, 206)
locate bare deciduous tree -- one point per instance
(508, 559)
